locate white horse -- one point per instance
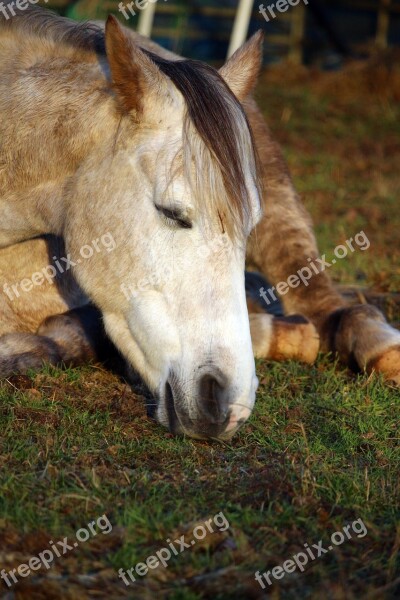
(158, 155)
(128, 179)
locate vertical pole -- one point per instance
(241, 25)
(297, 35)
(146, 18)
(383, 24)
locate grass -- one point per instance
(320, 451)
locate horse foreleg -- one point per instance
(20, 352)
(72, 338)
(282, 244)
(363, 338)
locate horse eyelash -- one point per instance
(172, 218)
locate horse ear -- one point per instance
(242, 69)
(134, 74)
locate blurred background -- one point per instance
(324, 32)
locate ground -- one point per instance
(320, 451)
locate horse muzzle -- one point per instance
(205, 408)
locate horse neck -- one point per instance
(53, 116)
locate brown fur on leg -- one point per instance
(364, 340)
(68, 332)
(79, 335)
(254, 307)
(283, 242)
(284, 338)
(388, 364)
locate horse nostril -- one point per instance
(213, 398)
(170, 408)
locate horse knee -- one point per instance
(72, 336)
(284, 338)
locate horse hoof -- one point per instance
(388, 364)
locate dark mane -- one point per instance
(212, 108)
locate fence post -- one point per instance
(241, 25)
(146, 18)
(383, 24)
(295, 55)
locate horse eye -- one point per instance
(173, 217)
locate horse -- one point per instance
(134, 185)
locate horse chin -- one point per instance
(210, 433)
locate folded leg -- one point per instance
(72, 338)
(283, 338)
(281, 245)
